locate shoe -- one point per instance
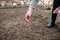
(50, 25)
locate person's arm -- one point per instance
(32, 5)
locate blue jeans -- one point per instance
(34, 2)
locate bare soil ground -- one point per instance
(14, 27)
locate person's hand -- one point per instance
(57, 10)
(28, 16)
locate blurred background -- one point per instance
(45, 3)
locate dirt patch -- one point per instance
(14, 27)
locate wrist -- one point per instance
(32, 6)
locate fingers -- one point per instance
(27, 18)
(56, 10)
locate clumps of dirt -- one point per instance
(14, 27)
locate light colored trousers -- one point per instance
(34, 2)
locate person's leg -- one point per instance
(56, 4)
